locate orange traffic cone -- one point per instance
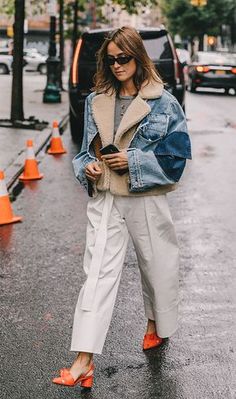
(56, 145)
(31, 171)
(6, 214)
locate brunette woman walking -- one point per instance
(131, 113)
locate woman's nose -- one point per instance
(116, 65)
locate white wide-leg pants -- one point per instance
(110, 221)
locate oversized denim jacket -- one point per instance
(158, 147)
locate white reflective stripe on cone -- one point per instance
(30, 153)
(97, 258)
(55, 132)
(3, 188)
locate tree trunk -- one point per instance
(201, 41)
(17, 112)
(61, 33)
(75, 25)
(233, 29)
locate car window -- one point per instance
(4, 53)
(158, 48)
(89, 48)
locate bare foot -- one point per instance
(151, 327)
(81, 365)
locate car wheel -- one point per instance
(226, 91)
(193, 89)
(76, 130)
(192, 86)
(4, 69)
(42, 68)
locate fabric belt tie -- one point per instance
(97, 257)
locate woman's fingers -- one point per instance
(93, 171)
(96, 168)
(117, 164)
(116, 161)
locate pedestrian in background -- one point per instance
(129, 112)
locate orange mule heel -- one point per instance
(151, 341)
(85, 380)
(87, 383)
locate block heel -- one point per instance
(87, 383)
(85, 380)
(151, 341)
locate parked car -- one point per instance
(161, 50)
(5, 64)
(35, 61)
(5, 61)
(213, 69)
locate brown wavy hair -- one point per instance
(130, 42)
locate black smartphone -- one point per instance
(109, 149)
(112, 149)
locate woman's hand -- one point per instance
(117, 161)
(93, 171)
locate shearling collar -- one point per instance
(151, 90)
(103, 108)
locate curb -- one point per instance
(14, 171)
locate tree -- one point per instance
(7, 7)
(132, 7)
(190, 21)
(17, 113)
(17, 8)
(61, 34)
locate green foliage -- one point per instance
(7, 7)
(35, 7)
(132, 6)
(32, 7)
(190, 21)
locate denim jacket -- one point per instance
(154, 133)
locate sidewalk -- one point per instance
(13, 141)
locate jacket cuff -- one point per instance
(79, 164)
(144, 171)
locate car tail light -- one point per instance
(202, 69)
(74, 69)
(233, 70)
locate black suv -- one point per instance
(160, 49)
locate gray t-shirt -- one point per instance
(122, 103)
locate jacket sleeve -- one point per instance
(81, 160)
(166, 163)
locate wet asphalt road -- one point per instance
(41, 274)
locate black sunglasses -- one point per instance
(121, 60)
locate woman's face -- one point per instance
(124, 72)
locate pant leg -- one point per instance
(151, 227)
(90, 327)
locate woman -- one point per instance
(130, 109)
